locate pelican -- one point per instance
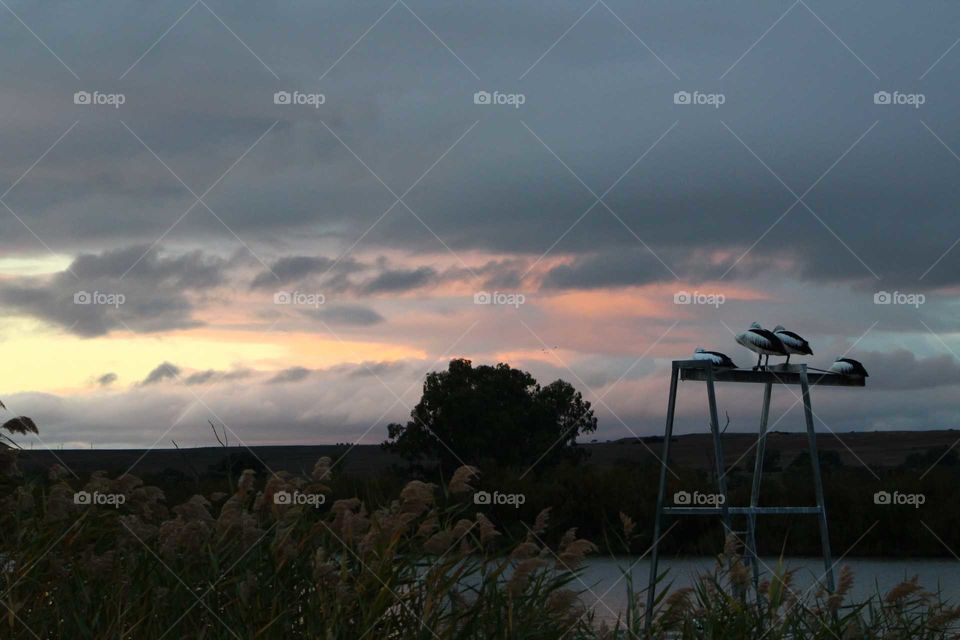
(762, 342)
(717, 358)
(848, 367)
(795, 344)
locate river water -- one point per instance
(605, 589)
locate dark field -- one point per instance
(875, 449)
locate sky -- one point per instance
(279, 216)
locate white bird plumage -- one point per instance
(848, 367)
(717, 358)
(761, 341)
(795, 344)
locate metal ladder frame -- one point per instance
(702, 370)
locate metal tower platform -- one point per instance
(704, 371)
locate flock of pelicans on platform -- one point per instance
(778, 342)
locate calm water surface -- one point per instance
(607, 588)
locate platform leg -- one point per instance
(661, 492)
(718, 451)
(755, 490)
(817, 481)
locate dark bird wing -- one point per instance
(771, 337)
(804, 345)
(858, 368)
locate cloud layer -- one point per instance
(205, 217)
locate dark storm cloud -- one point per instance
(902, 369)
(293, 374)
(212, 375)
(147, 266)
(200, 377)
(606, 270)
(638, 266)
(711, 191)
(292, 269)
(163, 371)
(343, 314)
(374, 369)
(382, 278)
(335, 275)
(107, 379)
(136, 288)
(399, 280)
(799, 100)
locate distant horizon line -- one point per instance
(594, 441)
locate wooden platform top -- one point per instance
(775, 374)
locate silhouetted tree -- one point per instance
(492, 414)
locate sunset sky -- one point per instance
(188, 247)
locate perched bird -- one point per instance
(848, 367)
(762, 342)
(717, 358)
(795, 344)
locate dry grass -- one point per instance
(244, 564)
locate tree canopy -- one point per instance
(497, 414)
